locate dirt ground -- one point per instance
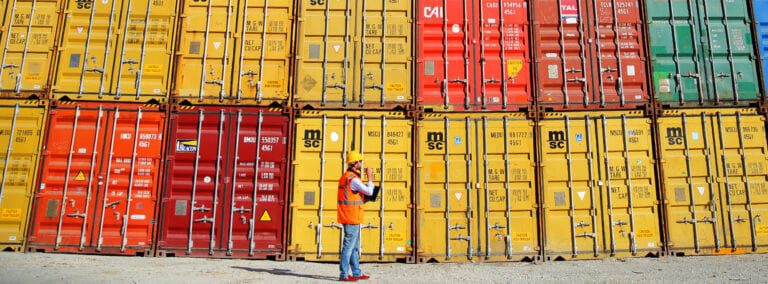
(61, 268)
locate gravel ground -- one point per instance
(62, 268)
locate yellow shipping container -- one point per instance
(477, 190)
(714, 206)
(116, 51)
(599, 185)
(28, 39)
(354, 53)
(21, 131)
(322, 139)
(224, 47)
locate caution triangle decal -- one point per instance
(265, 217)
(80, 176)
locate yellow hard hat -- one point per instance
(354, 156)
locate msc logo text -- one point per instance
(312, 138)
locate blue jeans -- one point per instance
(350, 251)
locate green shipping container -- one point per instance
(702, 52)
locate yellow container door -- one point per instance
(322, 139)
(21, 131)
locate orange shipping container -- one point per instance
(99, 179)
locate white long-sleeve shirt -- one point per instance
(359, 186)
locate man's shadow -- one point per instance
(286, 272)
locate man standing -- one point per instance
(350, 214)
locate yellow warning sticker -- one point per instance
(155, 69)
(80, 176)
(265, 217)
(10, 214)
(394, 237)
(395, 87)
(514, 66)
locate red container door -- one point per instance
(504, 79)
(83, 203)
(590, 54)
(256, 196)
(619, 42)
(445, 63)
(209, 207)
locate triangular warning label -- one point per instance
(701, 191)
(458, 195)
(336, 48)
(79, 30)
(581, 194)
(265, 217)
(216, 44)
(80, 176)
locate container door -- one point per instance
(742, 167)
(572, 209)
(130, 171)
(20, 136)
(143, 55)
(687, 156)
(561, 29)
(628, 186)
(728, 48)
(87, 52)
(325, 53)
(445, 63)
(677, 57)
(194, 194)
(263, 47)
(447, 222)
(504, 61)
(507, 195)
(207, 49)
(67, 197)
(27, 44)
(254, 201)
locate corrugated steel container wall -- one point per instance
(116, 51)
(761, 26)
(322, 139)
(354, 54)
(100, 171)
(589, 54)
(694, 61)
(28, 39)
(224, 193)
(477, 191)
(224, 46)
(713, 205)
(473, 55)
(21, 131)
(593, 206)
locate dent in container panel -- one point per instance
(28, 40)
(99, 179)
(498, 220)
(452, 76)
(225, 45)
(599, 185)
(761, 26)
(224, 192)
(352, 54)
(21, 132)
(322, 139)
(695, 61)
(116, 51)
(590, 55)
(715, 174)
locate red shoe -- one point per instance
(362, 277)
(348, 279)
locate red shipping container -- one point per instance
(461, 63)
(208, 207)
(100, 171)
(579, 48)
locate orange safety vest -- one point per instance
(350, 204)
